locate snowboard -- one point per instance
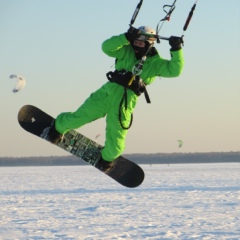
(37, 122)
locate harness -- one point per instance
(124, 78)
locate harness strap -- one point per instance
(123, 78)
(147, 96)
(137, 86)
(124, 98)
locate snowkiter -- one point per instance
(117, 98)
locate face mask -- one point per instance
(139, 51)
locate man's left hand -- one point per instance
(175, 43)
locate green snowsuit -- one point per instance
(105, 101)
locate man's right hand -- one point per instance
(132, 34)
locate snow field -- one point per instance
(186, 201)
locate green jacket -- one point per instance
(106, 101)
(120, 48)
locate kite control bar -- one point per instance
(167, 17)
(159, 37)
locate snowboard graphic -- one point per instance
(37, 122)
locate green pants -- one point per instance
(104, 102)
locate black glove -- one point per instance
(175, 43)
(132, 34)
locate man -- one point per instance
(137, 65)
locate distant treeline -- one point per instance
(157, 158)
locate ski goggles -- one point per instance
(150, 38)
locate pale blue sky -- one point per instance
(56, 46)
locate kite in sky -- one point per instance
(19, 84)
(180, 143)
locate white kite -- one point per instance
(20, 82)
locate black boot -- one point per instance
(54, 136)
(104, 166)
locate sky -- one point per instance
(56, 46)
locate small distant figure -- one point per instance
(180, 143)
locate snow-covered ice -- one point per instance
(186, 201)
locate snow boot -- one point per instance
(54, 136)
(104, 166)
